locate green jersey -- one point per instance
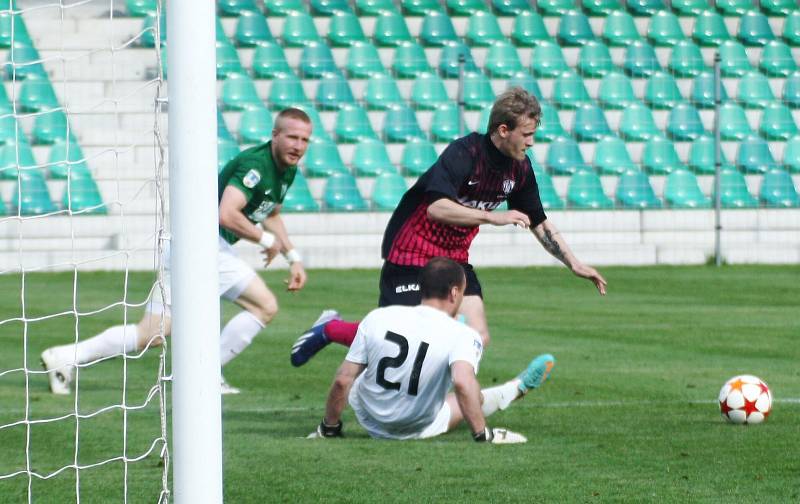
(254, 173)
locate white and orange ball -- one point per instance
(745, 399)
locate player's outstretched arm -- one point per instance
(447, 211)
(232, 218)
(552, 241)
(331, 425)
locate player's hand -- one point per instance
(514, 217)
(272, 252)
(591, 274)
(326, 431)
(297, 277)
(498, 436)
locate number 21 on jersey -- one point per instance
(398, 360)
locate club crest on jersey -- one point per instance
(251, 179)
(508, 185)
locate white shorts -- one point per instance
(435, 428)
(234, 277)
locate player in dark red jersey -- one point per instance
(442, 213)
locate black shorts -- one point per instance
(399, 285)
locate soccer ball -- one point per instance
(745, 399)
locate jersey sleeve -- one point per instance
(245, 178)
(448, 173)
(526, 199)
(468, 348)
(358, 349)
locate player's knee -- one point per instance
(266, 310)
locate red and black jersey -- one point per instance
(472, 172)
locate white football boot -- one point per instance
(59, 362)
(226, 388)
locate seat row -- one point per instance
(30, 195)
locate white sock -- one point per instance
(237, 335)
(112, 341)
(498, 398)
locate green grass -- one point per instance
(627, 417)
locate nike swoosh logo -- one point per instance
(473, 182)
(267, 192)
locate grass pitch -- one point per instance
(628, 416)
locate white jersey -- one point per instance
(408, 352)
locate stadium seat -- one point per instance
(681, 190)
(226, 150)
(619, 29)
(322, 159)
(446, 123)
(65, 157)
(286, 91)
(600, 8)
(634, 190)
(420, 7)
(391, 29)
(510, 8)
(710, 29)
(640, 60)
(754, 156)
(49, 127)
(370, 158)
(437, 29)
(342, 195)
(547, 192)
(428, 91)
(252, 28)
(550, 125)
(227, 61)
(703, 91)
(733, 122)
(36, 95)
(352, 124)
(615, 91)
(555, 7)
(269, 61)
(586, 191)
(239, 93)
(363, 60)
(299, 29)
(659, 156)
(777, 59)
(333, 92)
(529, 29)
(483, 30)
(400, 124)
(637, 123)
(448, 60)
(791, 28)
(611, 157)
(26, 62)
(345, 30)
(298, 198)
(388, 191)
(754, 29)
(81, 194)
(13, 30)
(371, 8)
(777, 123)
(282, 8)
(477, 92)
(689, 8)
(381, 92)
(702, 158)
(9, 127)
(502, 60)
(466, 7)
(661, 91)
(255, 125)
(13, 155)
(316, 60)
(791, 90)
(594, 60)
(527, 82)
(537, 167)
(733, 190)
(791, 155)
(235, 8)
(327, 8)
(316, 121)
(569, 91)
(418, 156)
(574, 29)
(777, 189)
(221, 36)
(733, 8)
(547, 60)
(564, 157)
(140, 8)
(645, 8)
(148, 36)
(754, 90)
(590, 123)
(410, 59)
(777, 8)
(665, 29)
(686, 60)
(684, 123)
(733, 59)
(222, 128)
(30, 195)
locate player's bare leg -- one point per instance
(473, 311)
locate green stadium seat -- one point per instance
(269, 61)
(620, 30)
(611, 157)
(661, 91)
(733, 8)
(345, 30)
(333, 92)
(615, 91)
(510, 8)
(659, 156)
(437, 29)
(148, 36)
(689, 8)
(81, 194)
(590, 123)
(13, 155)
(322, 159)
(483, 30)
(791, 29)
(316, 60)
(754, 29)
(777, 8)
(418, 155)
(381, 92)
(316, 121)
(686, 60)
(370, 158)
(502, 60)
(391, 30)
(363, 60)
(548, 60)
(400, 124)
(733, 122)
(684, 123)
(222, 128)
(251, 29)
(37, 95)
(600, 8)
(298, 198)
(140, 8)
(550, 125)
(791, 155)
(586, 191)
(226, 150)
(446, 123)
(665, 29)
(702, 156)
(569, 92)
(537, 167)
(733, 59)
(30, 195)
(645, 8)
(428, 91)
(574, 29)
(282, 8)
(777, 60)
(710, 29)
(594, 60)
(527, 82)
(342, 195)
(239, 93)
(555, 7)
(777, 123)
(5, 103)
(791, 90)
(23, 61)
(372, 8)
(466, 7)
(634, 190)
(327, 8)
(777, 189)
(529, 29)
(547, 192)
(9, 127)
(255, 126)
(681, 190)
(234, 8)
(640, 60)
(754, 156)
(48, 127)
(703, 91)
(389, 188)
(564, 157)
(221, 36)
(420, 7)
(637, 123)
(13, 30)
(286, 91)
(410, 59)
(733, 190)
(299, 29)
(352, 124)
(66, 157)
(227, 61)
(477, 91)
(754, 90)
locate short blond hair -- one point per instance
(512, 105)
(291, 113)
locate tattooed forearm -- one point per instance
(551, 245)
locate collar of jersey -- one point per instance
(497, 159)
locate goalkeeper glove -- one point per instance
(327, 431)
(498, 436)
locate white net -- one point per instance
(82, 222)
